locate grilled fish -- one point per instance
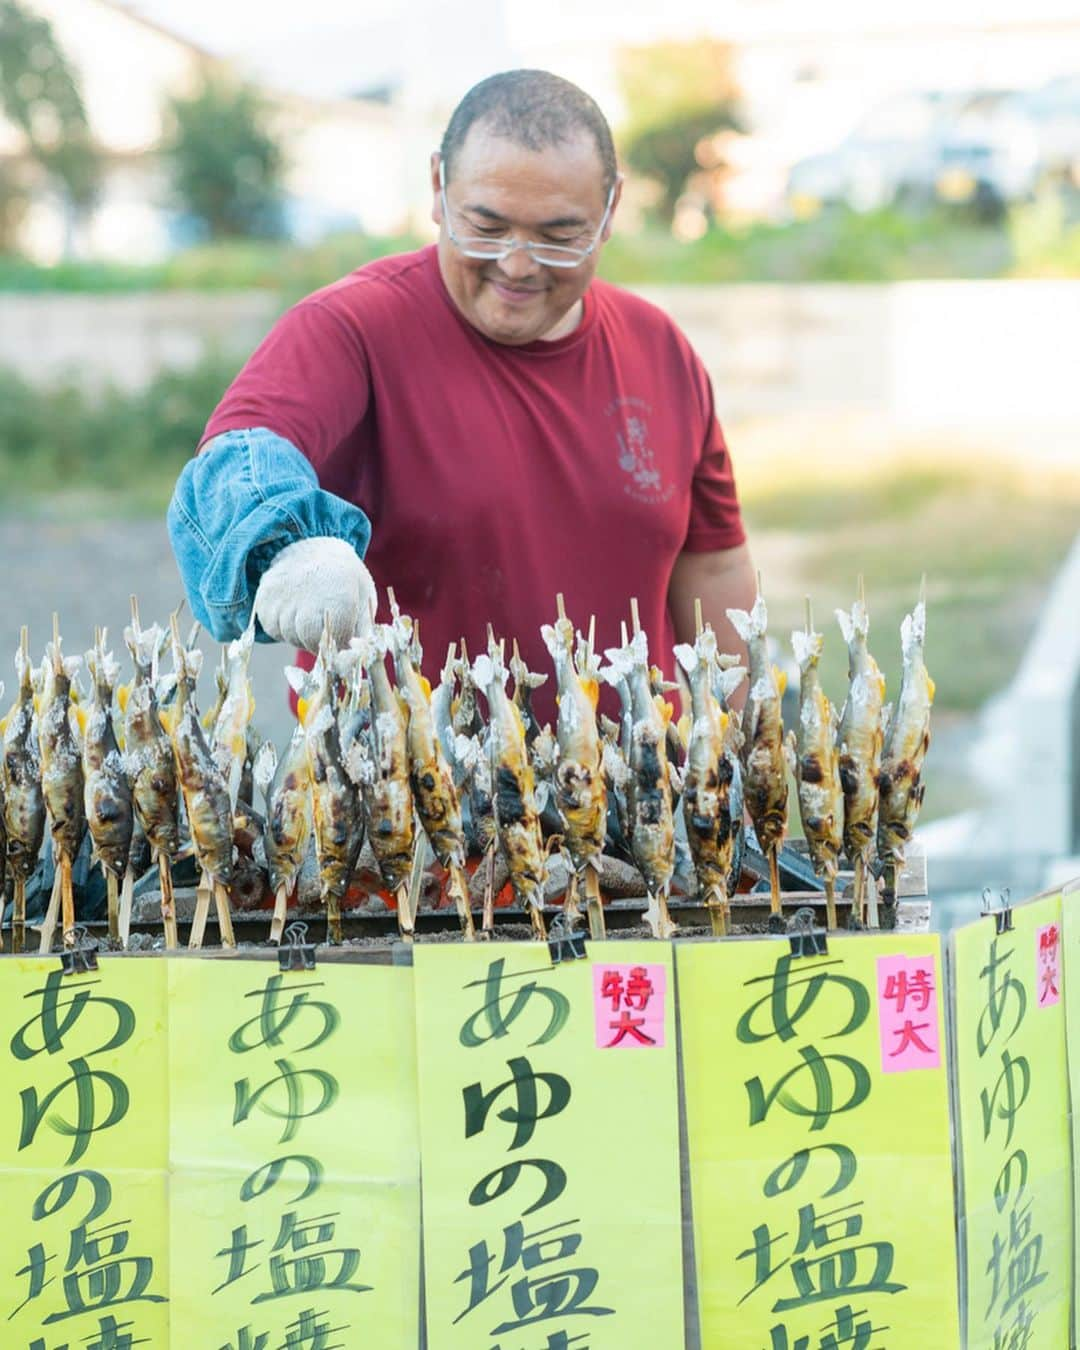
(710, 770)
(814, 759)
(517, 819)
(650, 811)
(61, 760)
(148, 752)
(525, 681)
(107, 795)
(906, 742)
(765, 788)
(24, 803)
(230, 726)
(859, 735)
(206, 794)
(286, 788)
(580, 790)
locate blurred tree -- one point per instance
(39, 94)
(226, 165)
(678, 95)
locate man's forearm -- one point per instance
(721, 580)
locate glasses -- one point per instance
(495, 250)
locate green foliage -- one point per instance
(677, 94)
(39, 94)
(226, 166)
(129, 444)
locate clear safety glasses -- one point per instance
(496, 249)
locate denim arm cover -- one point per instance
(248, 495)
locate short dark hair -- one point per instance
(534, 109)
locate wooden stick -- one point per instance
(594, 907)
(624, 637)
(127, 891)
(699, 626)
(168, 905)
(48, 923)
(635, 618)
(67, 901)
(464, 650)
(203, 895)
(716, 904)
(515, 655)
(18, 913)
(224, 917)
(487, 920)
(775, 904)
(136, 626)
(830, 903)
(333, 919)
(112, 893)
(459, 889)
(536, 918)
(560, 605)
(590, 641)
(281, 909)
(392, 599)
(416, 871)
(406, 928)
(809, 616)
(571, 908)
(759, 588)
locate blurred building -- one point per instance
(344, 154)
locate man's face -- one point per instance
(552, 196)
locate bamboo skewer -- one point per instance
(18, 916)
(203, 895)
(716, 904)
(48, 923)
(594, 908)
(699, 626)
(487, 921)
(635, 618)
(776, 907)
(225, 928)
(830, 903)
(333, 919)
(571, 908)
(459, 889)
(126, 895)
(67, 901)
(168, 903)
(112, 893)
(281, 910)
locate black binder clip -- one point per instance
(562, 945)
(295, 953)
(80, 955)
(1003, 917)
(805, 939)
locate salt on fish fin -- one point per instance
(296, 678)
(687, 657)
(263, 769)
(730, 679)
(807, 646)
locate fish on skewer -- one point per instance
(337, 819)
(430, 775)
(525, 681)
(151, 765)
(110, 815)
(3, 831)
(205, 793)
(517, 820)
(286, 788)
(765, 786)
(24, 803)
(859, 739)
(906, 743)
(235, 710)
(710, 771)
(580, 789)
(61, 780)
(814, 760)
(650, 809)
(380, 766)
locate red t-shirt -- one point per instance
(495, 476)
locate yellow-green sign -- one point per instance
(294, 1156)
(83, 1150)
(550, 1137)
(1012, 1094)
(817, 1110)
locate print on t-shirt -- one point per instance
(636, 457)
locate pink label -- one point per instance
(1048, 965)
(628, 1005)
(908, 1013)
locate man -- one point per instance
(481, 420)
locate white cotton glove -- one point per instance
(309, 580)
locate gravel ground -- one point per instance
(86, 570)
